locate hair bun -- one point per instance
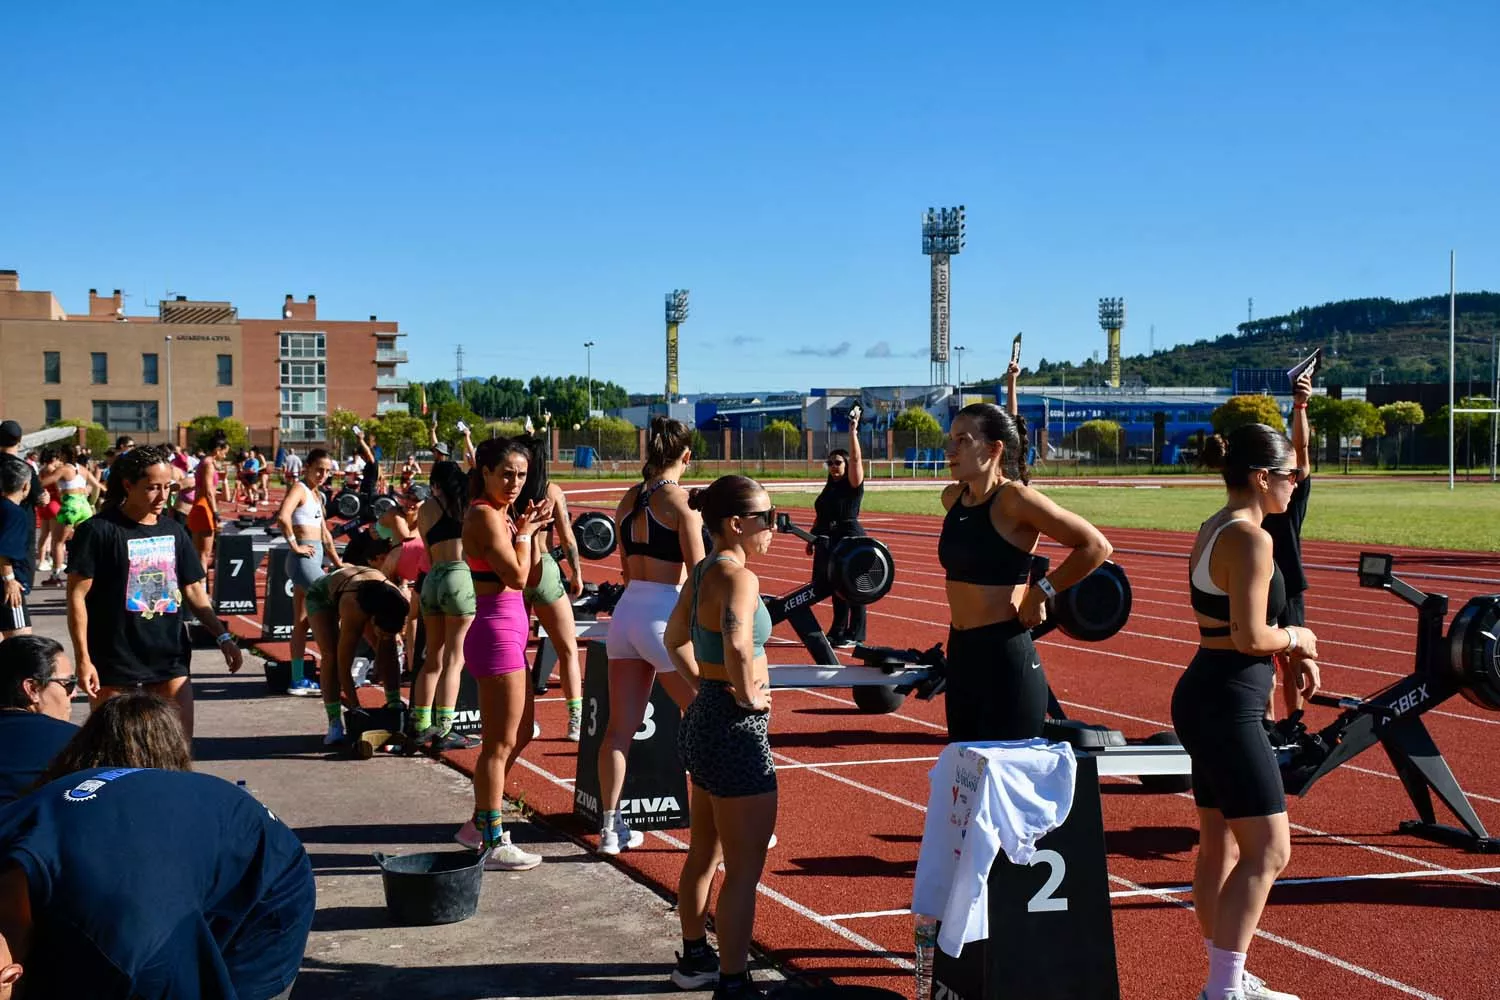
(695, 498)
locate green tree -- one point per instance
(1101, 437)
(915, 420)
(201, 431)
(616, 438)
(399, 434)
(781, 438)
(341, 424)
(1364, 422)
(1401, 415)
(1470, 430)
(96, 438)
(1237, 411)
(698, 445)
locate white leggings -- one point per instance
(639, 622)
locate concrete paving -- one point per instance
(577, 926)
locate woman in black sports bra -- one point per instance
(1237, 592)
(997, 689)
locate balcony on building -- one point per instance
(391, 406)
(389, 356)
(391, 382)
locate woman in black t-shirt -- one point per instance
(130, 571)
(837, 510)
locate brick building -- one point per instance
(140, 374)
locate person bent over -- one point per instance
(343, 607)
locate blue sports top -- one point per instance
(708, 645)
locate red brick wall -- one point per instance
(350, 357)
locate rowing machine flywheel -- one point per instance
(1095, 609)
(595, 532)
(861, 569)
(1474, 652)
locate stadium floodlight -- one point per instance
(942, 237)
(943, 230)
(1112, 314)
(677, 305)
(677, 313)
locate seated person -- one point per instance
(343, 607)
(36, 685)
(201, 892)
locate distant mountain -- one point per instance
(1364, 340)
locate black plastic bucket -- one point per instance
(431, 888)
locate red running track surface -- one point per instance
(853, 789)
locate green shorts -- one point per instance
(317, 601)
(448, 590)
(75, 509)
(550, 587)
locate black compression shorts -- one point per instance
(996, 689)
(1217, 710)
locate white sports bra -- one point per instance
(1201, 577)
(309, 511)
(78, 482)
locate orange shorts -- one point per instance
(201, 518)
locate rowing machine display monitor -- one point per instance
(1464, 662)
(1375, 569)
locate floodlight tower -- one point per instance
(1112, 321)
(942, 237)
(677, 314)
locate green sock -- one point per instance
(393, 699)
(575, 708)
(333, 710)
(487, 822)
(442, 717)
(298, 665)
(421, 717)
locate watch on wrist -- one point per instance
(1045, 586)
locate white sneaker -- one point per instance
(619, 838)
(536, 730)
(468, 836)
(335, 734)
(575, 728)
(1254, 988)
(507, 857)
(1232, 995)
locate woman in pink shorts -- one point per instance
(498, 551)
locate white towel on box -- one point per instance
(985, 797)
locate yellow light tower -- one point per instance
(1112, 321)
(677, 313)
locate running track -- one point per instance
(1361, 912)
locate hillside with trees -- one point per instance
(1364, 340)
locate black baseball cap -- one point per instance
(10, 434)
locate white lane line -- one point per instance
(857, 763)
(818, 770)
(1178, 890)
(1303, 949)
(904, 911)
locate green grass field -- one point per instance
(1420, 514)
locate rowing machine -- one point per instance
(1466, 662)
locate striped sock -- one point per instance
(333, 709)
(442, 717)
(487, 822)
(421, 717)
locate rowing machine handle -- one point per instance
(785, 526)
(1335, 701)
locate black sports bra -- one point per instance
(972, 551)
(445, 529)
(661, 541)
(1216, 605)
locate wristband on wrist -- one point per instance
(224, 637)
(1291, 640)
(1045, 586)
(1299, 406)
(523, 537)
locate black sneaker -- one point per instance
(844, 642)
(739, 989)
(694, 972)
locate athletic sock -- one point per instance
(1226, 971)
(695, 947)
(575, 708)
(442, 717)
(298, 665)
(421, 718)
(487, 822)
(333, 710)
(393, 699)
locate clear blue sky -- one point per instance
(522, 178)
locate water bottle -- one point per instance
(925, 936)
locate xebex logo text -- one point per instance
(1410, 700)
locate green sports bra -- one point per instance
(708, 646)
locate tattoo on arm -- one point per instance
(570, 553)
(1234, 626)
(731, 622)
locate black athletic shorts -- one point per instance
(13, 619)
(1218, 710)
(725, 748)
(997, 689)
(1295, 613)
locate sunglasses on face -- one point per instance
(766, 517)
(68, 684)
(1291, 474)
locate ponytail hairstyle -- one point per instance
(488, 455)
(722, 499)
(68, 453)
(450, 488)
(535, 487)
(1246, 448)
(997, 426)
(130, 468)
(666, 440)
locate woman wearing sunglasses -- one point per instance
(837, 509)
(1237, 593)
(717, 640)
(997, 689)
(36, 686)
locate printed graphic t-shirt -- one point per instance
(157, 884)
(135, 602)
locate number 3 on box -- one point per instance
(1044, 901)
